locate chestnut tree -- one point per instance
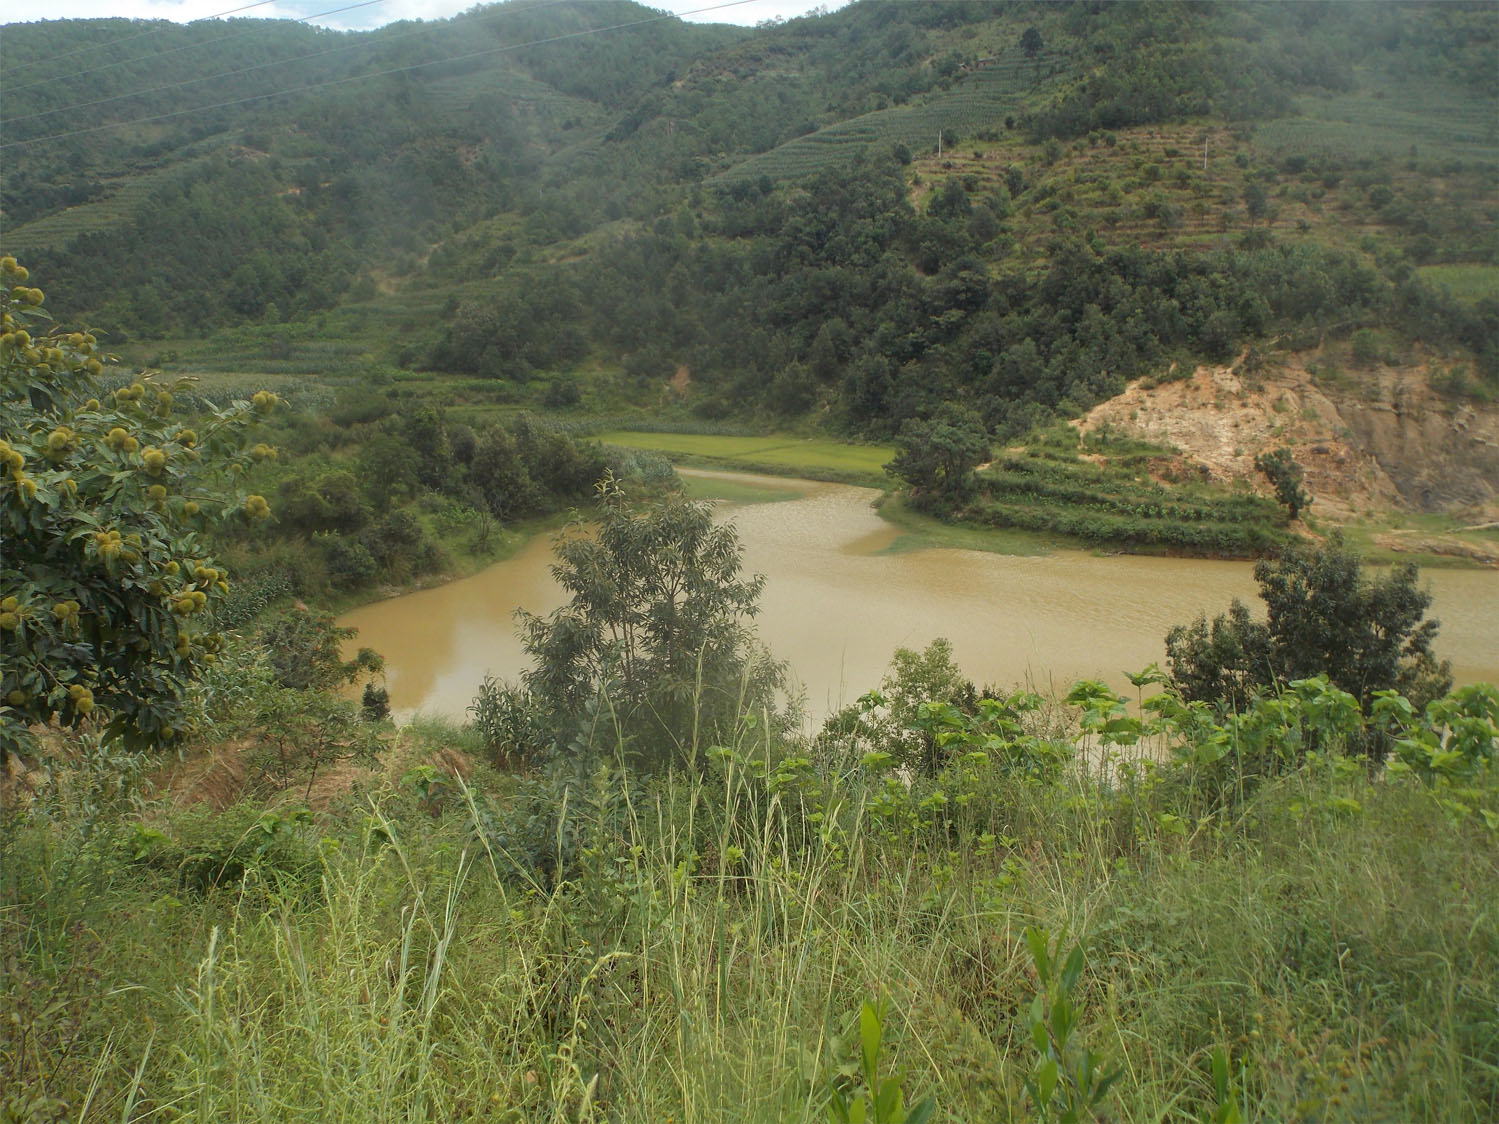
(107, 495)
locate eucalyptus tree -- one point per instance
(655, 631)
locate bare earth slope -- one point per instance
(1372, 441)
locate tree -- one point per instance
(499, 474)
(1285, 476)
(425, 431)
(889, 720)
(1031, 42)
(655, 625)
(937, 457)
(388, 468)
(305, 648)
(106, 582)
(1256, 202)
(950, 201)
(1323, 618)
(302, 716)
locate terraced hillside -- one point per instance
(840, 223)
(981, 102)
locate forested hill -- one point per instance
(851, 217)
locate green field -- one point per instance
(59, 229)
(1425, 120)
(923, 532)
(733, 490)
(1466, 282)
(779, 454)
(1376, 537)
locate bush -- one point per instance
(1324, 618)
(511, 725)
(105, 577)
(1366, 349)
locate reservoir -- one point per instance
(840, 596)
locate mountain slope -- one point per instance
(845, 220)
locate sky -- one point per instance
(379, 12)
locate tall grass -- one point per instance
(696, 947)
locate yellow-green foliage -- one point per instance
(1470, 282)
(104, 498)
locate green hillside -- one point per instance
(842, 220)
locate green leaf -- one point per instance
(1063, 1019)
(1220, 1073)
(869, 1039)
(1073, 968)
(1046, 1080)
(1151, 674)
(1039, 1035)
(1037, 940)
(1105, 1083)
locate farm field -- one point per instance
(123, 196)
(980, 102)
(1426, 120)
(777, 453)
(1466, 282)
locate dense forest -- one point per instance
(848, 219)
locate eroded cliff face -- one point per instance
(1441, 455)
(1370, 441)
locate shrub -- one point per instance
(105, 578)
(1324, 618)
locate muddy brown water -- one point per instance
(838, 602)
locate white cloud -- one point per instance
(746, 12)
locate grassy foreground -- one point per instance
(696, 947)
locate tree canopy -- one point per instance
(655, 627)
(1324, 617)
(106, 582)
(937, 457)
(1285, 476)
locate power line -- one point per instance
(376, 74)
(196, 81)
(162, 54)
(50, 59)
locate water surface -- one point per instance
(838, 602)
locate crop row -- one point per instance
(59, 229)
(980, 102)
(1144, 501)
(1075, 484)
(1122, 503)
(1100, 528)
(1451, 126)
